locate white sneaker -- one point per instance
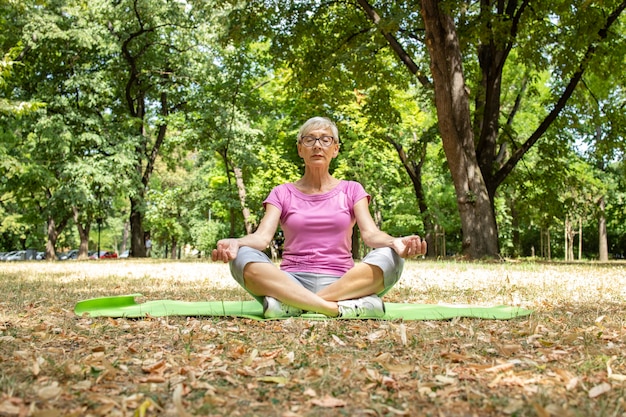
(364, 308)
(274, 309)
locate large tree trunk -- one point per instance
(480, 236)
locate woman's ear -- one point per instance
(299, 147)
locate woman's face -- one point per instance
(317, 154)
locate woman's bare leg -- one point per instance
(267, 280)
(360, 281)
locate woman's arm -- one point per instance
(370, 233)
(227, 248)
(373, 237)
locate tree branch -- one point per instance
(506, 169)
(395, 45)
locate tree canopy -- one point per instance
(482, 126)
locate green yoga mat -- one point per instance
(127, 306)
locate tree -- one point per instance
(158, 53)
(16, 230)
(65, 149)
(476, 165)
(596, 116)
(329, 78)
(229, 123)
(469, 46)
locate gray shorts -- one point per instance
(385, 258)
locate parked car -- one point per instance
(18, 255)
(104, 254)
(10, 254)
(72, 254)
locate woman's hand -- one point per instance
(226, 250)
(409, 246)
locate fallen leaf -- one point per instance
(250, 359)
(396, 411)
(153, 378)
(455, 357)
(389, 382)
(82, 385)
(338, 340)
(384, 357)
(446, 380)
(598, 390)
(328, 402)
(272, 353)
(49, 392)
(246, 371)
(376, 335)
(281, 380)
(571, 384)
(177, 399)
(36, 367)
(609, 370)
(402, 331)
(142, 409)
(500, 368)
(9, 408)
(157, 367)
(557, 410)
(509, 349)
(398, 368)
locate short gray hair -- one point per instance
(318, 122)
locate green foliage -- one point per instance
(205, 234)
(86, 89)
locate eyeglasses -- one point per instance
(309, 141)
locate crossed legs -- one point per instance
(265, 279)
(255, 272)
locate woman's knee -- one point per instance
(389, 262)
(245, 256)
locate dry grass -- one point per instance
(564, 360)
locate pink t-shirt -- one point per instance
(317, 227)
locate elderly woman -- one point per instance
(317, 214)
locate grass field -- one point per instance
(566, 359)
